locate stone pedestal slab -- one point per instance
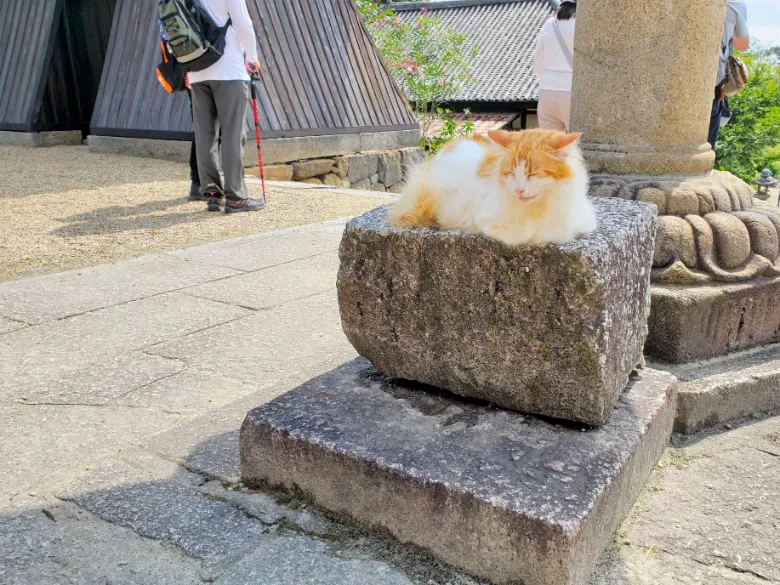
(692, 323)
(550, 330)
(726, 389)
(505, 496)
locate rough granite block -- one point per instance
(505, 496)
(551, 330)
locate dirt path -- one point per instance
(65, 207)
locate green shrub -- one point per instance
(429, 62)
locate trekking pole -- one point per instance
(257, 132)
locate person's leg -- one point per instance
(564, 108)
(231, 99)
(548, 111)
(195, 194)
(715, 114)
(206, 124)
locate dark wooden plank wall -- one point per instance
(321, 75)
(74, 73)
(130, 98)
(26, 29)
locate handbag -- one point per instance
(737, 76)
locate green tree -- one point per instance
(751, 139)
(429, 62)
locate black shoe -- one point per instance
(248, 204)
(216, 202)
(195, 194)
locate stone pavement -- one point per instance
(122, 389)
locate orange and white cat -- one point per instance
(527, 187)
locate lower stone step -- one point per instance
(725, 389)
(505, 496)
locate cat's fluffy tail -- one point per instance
(417, 206)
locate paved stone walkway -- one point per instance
(122, 389)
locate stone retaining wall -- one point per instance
(378, 170)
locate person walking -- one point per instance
(553, 65)
(735, 36)
(220, 94)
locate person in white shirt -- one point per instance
(220, 95)
(553, 65)
(735, 36)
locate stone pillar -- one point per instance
(643, 84)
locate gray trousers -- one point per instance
(220, 105)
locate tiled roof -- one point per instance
(505, 32)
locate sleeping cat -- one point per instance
(526, 187)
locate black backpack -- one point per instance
(194, 39)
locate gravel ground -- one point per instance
(64, 207)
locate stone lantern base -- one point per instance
(715, 266)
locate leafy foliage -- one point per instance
(450, 130)
(429, 62)
(751, 139)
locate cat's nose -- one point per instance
(520, 191)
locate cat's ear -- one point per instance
(501, 137)
(567, 140)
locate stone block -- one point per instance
(379, 187)
(551, 330)
(296, 280)
(275, 172)
(37, 550)
(172, 150)
(505, 496)
(390, 169)
(164, 509)
(362, 166)
(726, 389)
(312, 181)
(389, 140)
(260, 251)
(364, 185)
(297, 560)
(410, 158)
(332, 179)
(65, 294)
(8, 325)
(689, 323)
(306, 169)
(341, 167)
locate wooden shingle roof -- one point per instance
(506, 33)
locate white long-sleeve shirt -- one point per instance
(240, 39)
(550, 64)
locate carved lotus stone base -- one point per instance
(716, 265)
(710, 229)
